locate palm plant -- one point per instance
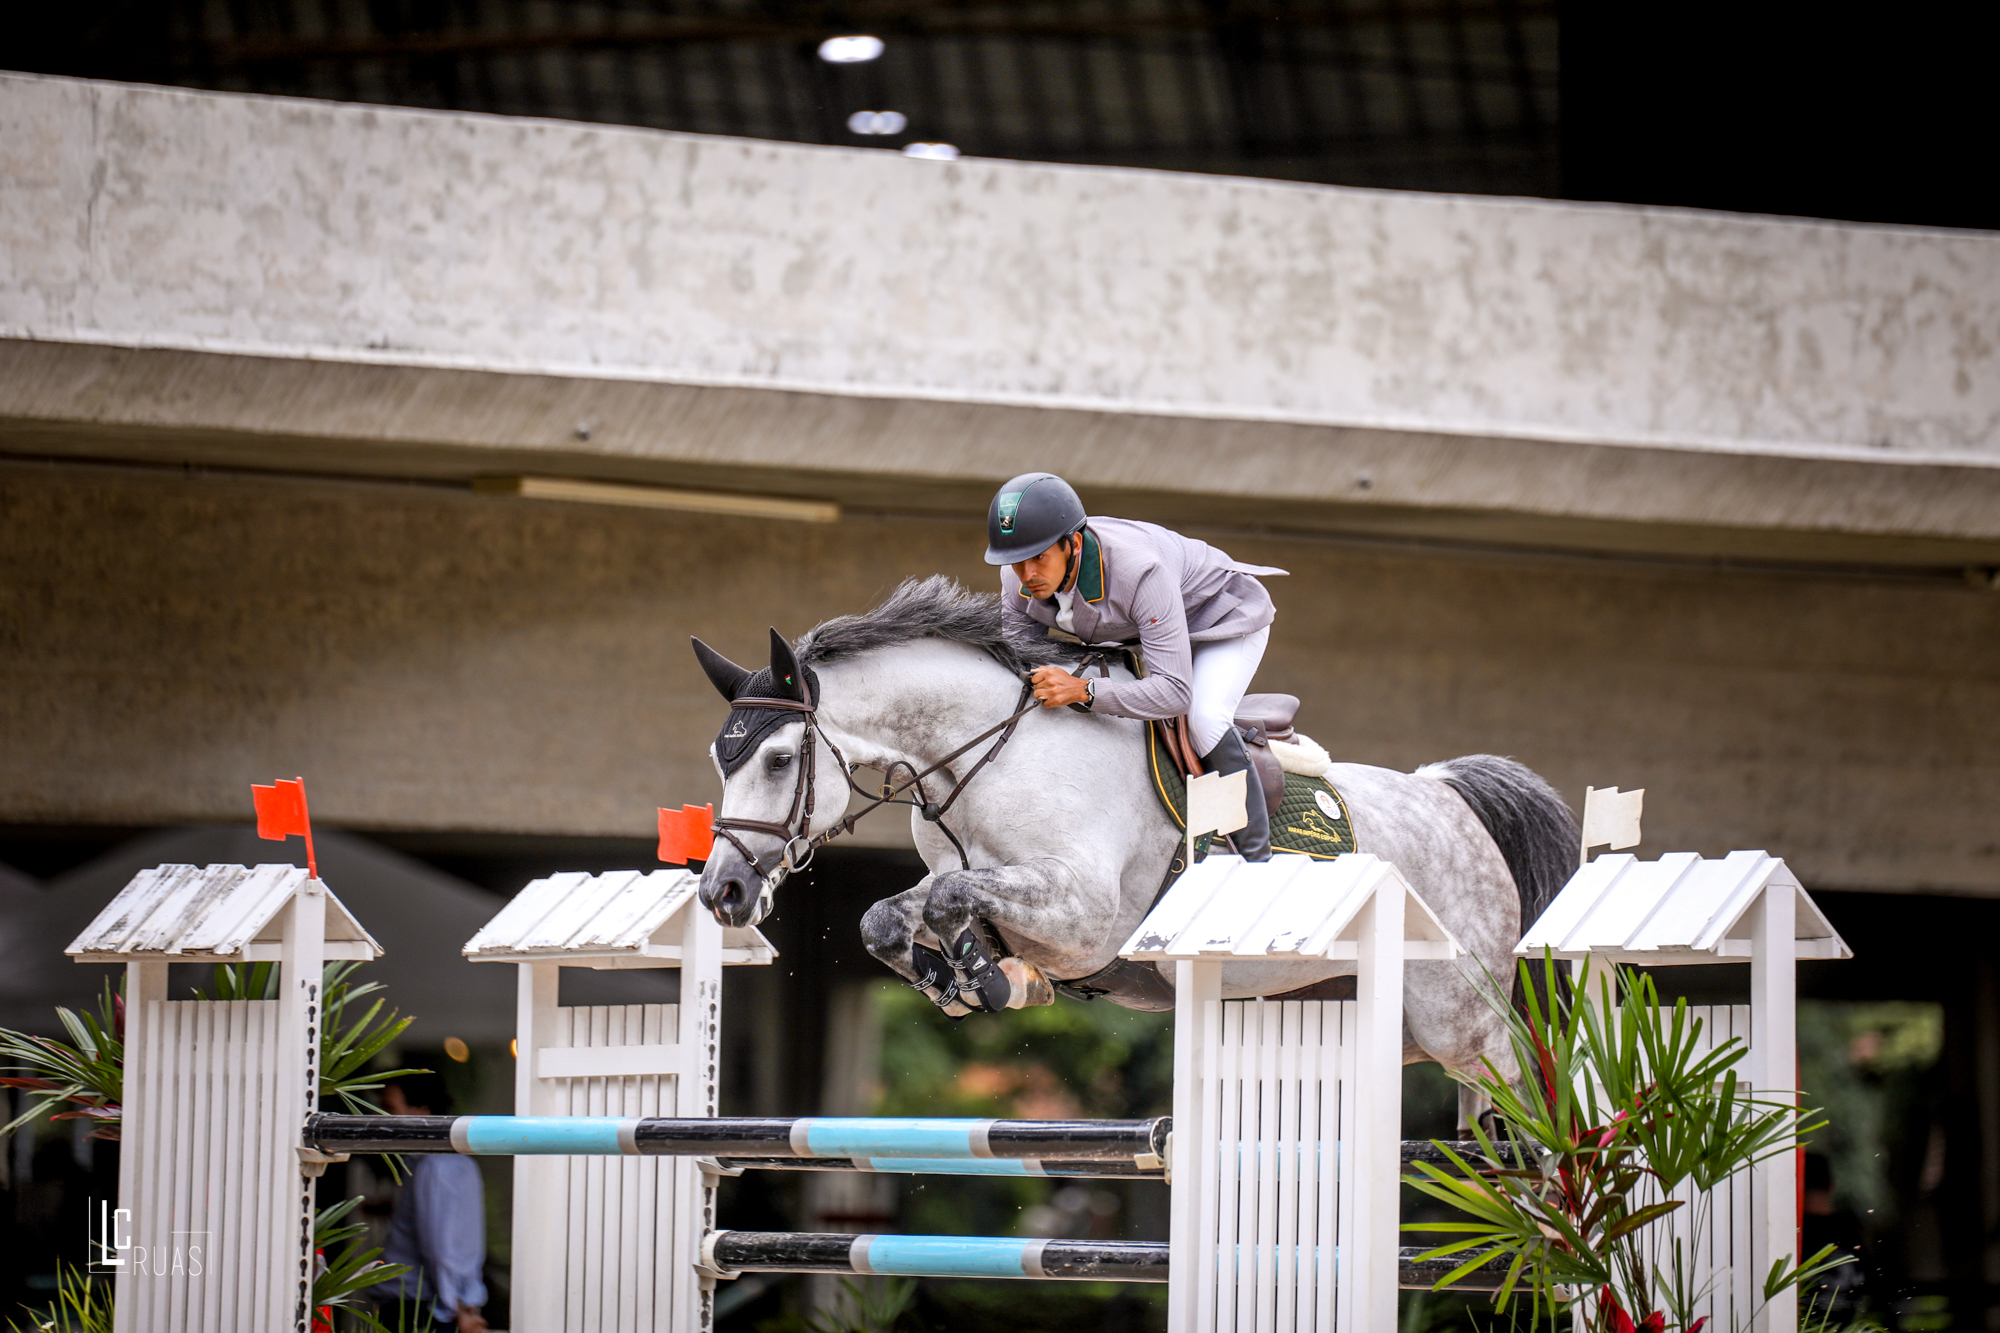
(351, 1268)
(1627, 1121)
(88, 1074)
(88, 1071)
(865, 1307)
(345, 1048)
(83, 1303)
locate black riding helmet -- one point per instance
(1030, 514)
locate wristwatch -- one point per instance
(1089, 694)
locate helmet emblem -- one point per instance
(1010, 504)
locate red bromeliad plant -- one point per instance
(1620, 1120)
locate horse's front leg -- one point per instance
(1039, 900)
(889, 931)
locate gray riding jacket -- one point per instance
(1143, 582)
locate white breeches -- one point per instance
(1222, 672)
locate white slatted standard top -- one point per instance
(613, 920)
(1678, 909)
(222, 914)
(1288, 908)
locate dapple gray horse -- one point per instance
(1064, 842)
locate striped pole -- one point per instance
(732, 1253)
(1142, 1142)
(1414, 1150)
(1118, 1149)
(953, 1166)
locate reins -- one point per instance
(799, 819)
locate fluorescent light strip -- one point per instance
(659, 497)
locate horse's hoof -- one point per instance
(1028, 985)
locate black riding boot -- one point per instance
(1253, 840)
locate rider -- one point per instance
(1201, 619)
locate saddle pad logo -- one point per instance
(1327, 805)
(1010, 504)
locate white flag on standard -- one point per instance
(1215, 804)
(1611, 818)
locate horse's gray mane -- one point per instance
(934, 608)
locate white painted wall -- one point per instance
(151, 217)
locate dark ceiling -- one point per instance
(1434, 94)
(1747, 105)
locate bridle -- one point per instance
(798, 846)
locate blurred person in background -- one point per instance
(438, 1228)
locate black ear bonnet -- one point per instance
(745, 728)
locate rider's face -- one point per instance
(1042, 576)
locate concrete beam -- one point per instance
(322, 287)
(932, 456)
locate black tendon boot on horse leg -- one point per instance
(981, 983)
(1253, 840)
(935, 979)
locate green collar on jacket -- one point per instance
(1090, 578)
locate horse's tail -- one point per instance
(1529, 822)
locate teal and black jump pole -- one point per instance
(730, 1253)
(1055, 1168)
(733, 1253)
(1414, 1150)
(1140, 1144)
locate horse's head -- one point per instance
(780, 782)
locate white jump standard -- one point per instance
(1283, 1155)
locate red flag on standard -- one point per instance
(686, 834)
(281, 814)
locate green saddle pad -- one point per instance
(1312, 819)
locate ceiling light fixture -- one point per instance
(849, 50)
(877, 122)
(659, 497)
(935, 152)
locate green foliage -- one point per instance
(83, 1302)
(1613, 1108)
(352, 1265)
(345, 1048)
(971, 1306)
(88, 1071)
(1868, 1065)
(1461, 1312)
(866, 1307)
(82, 1305)
(1049, 1062)
(1094, 1059)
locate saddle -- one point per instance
(1260, 719)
